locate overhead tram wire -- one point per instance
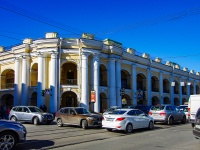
(168, 18)
(30, 15)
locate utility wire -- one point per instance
(30, 15)
(10, 37)
(168, 18)
(182, 56)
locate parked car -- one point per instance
(167, 114)
(132, 106)
(143, 108)
(11, 133)
(78, 116)
(196, 129)
(184, 108)
(127, 120)
(111, 109)
(30, 114)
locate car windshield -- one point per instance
(183, 108)
(110, 109)
(82, 111)
(143, 107)
(35, 109)
(157, 107)
(118, 112)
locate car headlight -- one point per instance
(91, 118)
(22, 128)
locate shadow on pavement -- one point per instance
(34, 144)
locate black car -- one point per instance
(196, 129)
(143, 108)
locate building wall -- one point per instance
(91, 52)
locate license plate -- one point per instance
(109, 119)
(99, 122)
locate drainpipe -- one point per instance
(59, 65)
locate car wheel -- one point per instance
(36, 121)
(13, 118)
(84, 124)
(129, 128)
(183, 120)
(151, 125)
(59, 122)
(110, 130)
(171, 121)
(8, 140)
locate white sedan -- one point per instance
(127, 120)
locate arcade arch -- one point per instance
(69, 99)
(7, 79)
(155, 100)
(103, 102)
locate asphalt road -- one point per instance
(163, 137)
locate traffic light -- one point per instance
(42, 92)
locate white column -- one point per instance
(134, 85)
(194, 91)
(25, 79)
(118, 83)
(112, 85)
(16, 85)
(149, 101)
(96, 82)
(53, 83)
(172, 89)
(40, 98)
(161, 87)
(180, 91)
(84, 84)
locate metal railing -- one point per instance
(7, 85)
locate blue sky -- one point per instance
(168, 29)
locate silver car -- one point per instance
(167, 114)
(30, 114)
(11, 133)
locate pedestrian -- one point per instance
(3, 111)
(41, 107)
(7, 112)
(44, 108)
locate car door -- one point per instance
(134, 119)
(72, 117)
(64, 115)
(19, 113)
(144, 120)
(27, 116)
(176, 113)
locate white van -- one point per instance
(193, 106)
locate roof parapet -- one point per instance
(159, 60)
(50, 35)
(112, 43)
(145, 55)
(27, 41)
(88, 36)
(2, 49)
(131, 51)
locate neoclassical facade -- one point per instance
(60, 72)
